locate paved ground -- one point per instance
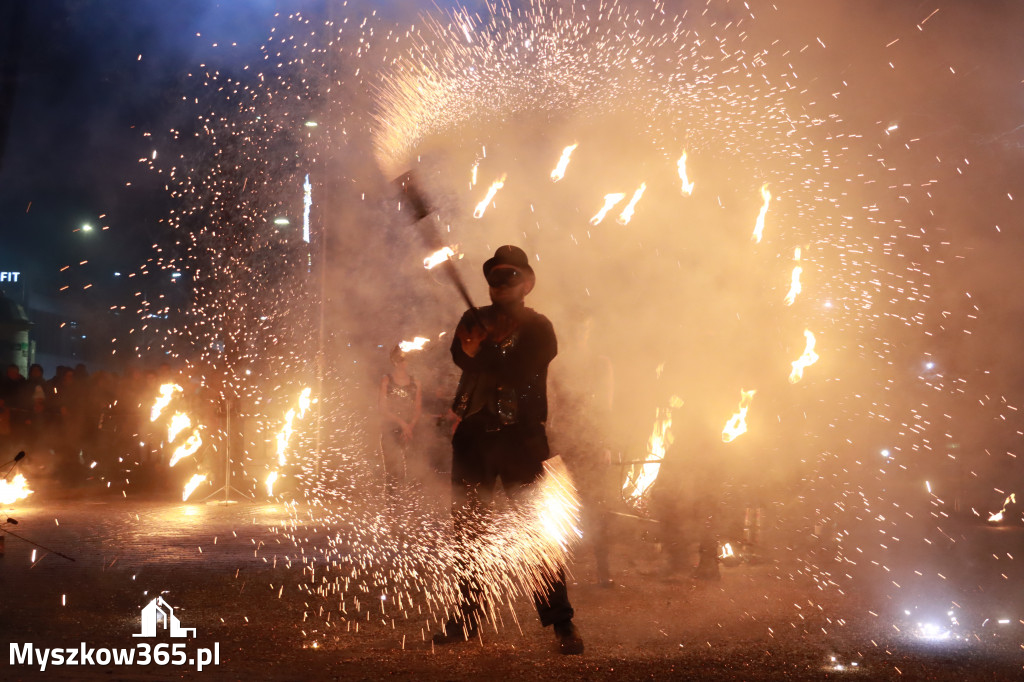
(216, 566)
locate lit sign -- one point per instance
(9, 276)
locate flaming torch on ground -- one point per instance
(285, 434)
(639, 480)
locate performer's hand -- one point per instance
(471, 339)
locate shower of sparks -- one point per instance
(759, 225)
(438, 257)
(167, 392)
(14, 490)
(737, 424)
(481, 207)
(687, 186)
(563, 162)
(808, 358)
(416, 344)
(191, 486)
(609, 203)
(627, 213)
(794, 283)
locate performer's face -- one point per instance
(508, 285)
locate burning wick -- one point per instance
(687, 185)
(806, 360)
(627, 213)
(609, 203)
(737, 424)
(482, 206)
(563, 162)
(759, 226)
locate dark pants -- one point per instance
(482, 453)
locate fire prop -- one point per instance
(759, 225)
(737, 424)
(639, 480)
(14, 490)
(808, 358)
(559, 172)
(627, 213)
(481, 208)
(687, 185)
(609, 203)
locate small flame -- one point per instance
(657, 445)
(609, 203)
(416, 344)
(627, 213)
(305, 401)
(759, 226)
(284, 435)
(270, 482)
(482, 206)
(14, 490)
(187, 449)
(737, 424)
(167, 392)
(563, 162)
(794, 283)
(727, 551)
(179, 422)
(472, 181)
(998, 516)
(438, 257)
(191, 486)
(806, 360)
(687, 185)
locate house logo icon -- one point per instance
(159, 611)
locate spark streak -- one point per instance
(481, 208)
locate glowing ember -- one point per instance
(270, 482)
(191, 486)
(627, 213)
(998, 516)
(806, 360)
(305, 401)
(167, 392)
(737, 424)
(609, 203)
(482, 206)
(416, 344)
(759, 226)
(794, 284)
(179, 422)
(187, 449)
(438, 257)
(563, 162)
(14, 490)
(687, 185)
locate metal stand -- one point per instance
(227, 488)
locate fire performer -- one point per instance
(503, 350)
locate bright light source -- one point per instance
(280, 221)
(885, 453)
(175, 275)
(311, 124)
(929, 365)
(117, 274)
(86, 227)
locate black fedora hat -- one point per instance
(509, 255)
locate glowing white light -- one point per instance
(307, 203)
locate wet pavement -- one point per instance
(226, 572)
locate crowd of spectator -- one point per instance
(77, 425)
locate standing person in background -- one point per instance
(400, 405)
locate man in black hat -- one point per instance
(503, 350)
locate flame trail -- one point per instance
(187, 449)
(438, 257)
(478, 212)
(794, 285)
(609, 203)
(191, 486)
(808, 358)
(687, 185)
(179, 422)
(473, 174)
(759, 226)
(627, 213)
(167, 392)
(14, 490)
(998, 516)
(559, 172)
(416, 344)
(737, 424)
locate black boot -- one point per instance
(569, 641)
